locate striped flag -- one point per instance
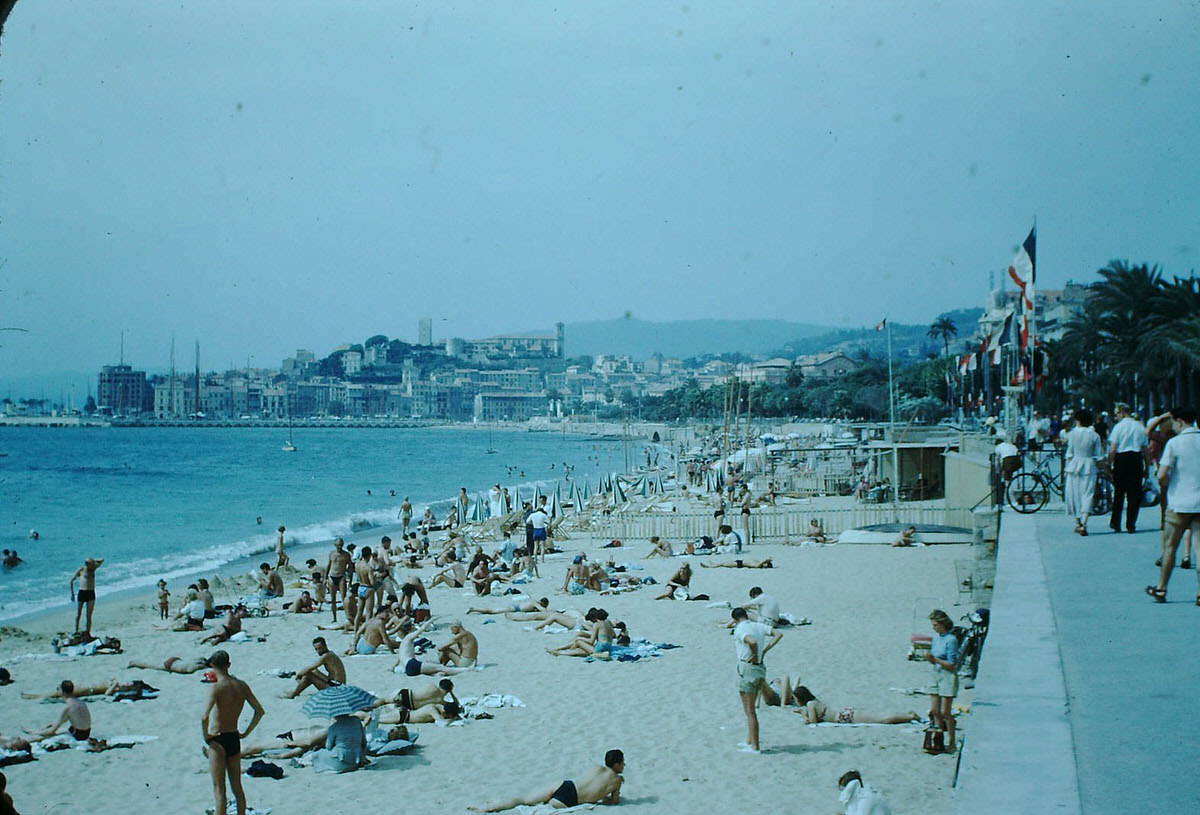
(879, 326)
(1023, 270)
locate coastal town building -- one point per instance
(121, 390)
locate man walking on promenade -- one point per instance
(1179, 480)
(752, 641)
(229, 695)
(1127, 445)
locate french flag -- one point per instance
(1023, 270)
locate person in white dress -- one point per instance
(1083, 451)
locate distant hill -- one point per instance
(909, 342)
(641, 339)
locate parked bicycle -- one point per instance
(1030, 489)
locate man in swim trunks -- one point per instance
(462, 649)
(600, 785)
(228, 696)
(75, 711)
(335, 568)
(373, 635)
(328, 670)
(231, 625)
(86, 575)
(515, 606)
(405, 516)
(412, 665)
(281, 558)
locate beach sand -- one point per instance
(677, 716)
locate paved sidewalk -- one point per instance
(1088, 698)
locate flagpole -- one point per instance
(892, 425)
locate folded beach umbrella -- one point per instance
(340, 700)
(556, 510)
(516, 497)
(659, 486)
(477, 513)
(537, 493)
(585, 493)
(573, 495)
(645, 486)
(557, 492)
(708, 480)
(618, 493)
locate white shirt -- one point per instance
(538, 519)
(767, 607)
(1182, 455)
(1005, 449)
(1129, 436)
(1083, 450)
(194, 610)
(756, 631)
(861, 800)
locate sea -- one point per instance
(176, 502)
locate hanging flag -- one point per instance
(1009, 333)
(1024, 332)
(963, 364)
(973, 362)
(1023, 270)
(879, 326)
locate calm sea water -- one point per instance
(164, 502)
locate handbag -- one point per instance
(935, 742)
(1150, 494)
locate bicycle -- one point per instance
(1030, 490)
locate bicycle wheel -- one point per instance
(1027, 493)
(1103, 496)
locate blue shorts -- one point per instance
(363, 648)
(539, 535)
(413, 667)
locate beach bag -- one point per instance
(265, 769)
(935, 742)
(1150, 496)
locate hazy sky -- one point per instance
(263, 176)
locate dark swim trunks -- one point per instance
(79, 735)
(84, 595)
(413, 667)
(230, 743)
(566, 794)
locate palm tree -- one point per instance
(943, 328)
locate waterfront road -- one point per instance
(1088, 695)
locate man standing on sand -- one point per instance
(1179, 480)
(229, 695)
(752, 640)
(327, 671)
(335, 569)
(600, 785)
(86, 575)
(1127, 448)
(405, 515)
(281, 559)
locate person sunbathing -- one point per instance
(292, 744)
(600, 785)
(661, 548)
(454, 575)
(411, 663)
(906, 538)
(231, 625)
(416, 697)
(110, 688)
(514, 606)
(327, 671)
(568, 618)
(304, 604)
(815, 532)
(679, 580)
(462, 649)
(740, 563)
(174, 665)
(815, 711)
(448, 710)
(481, 577)
(595, 641)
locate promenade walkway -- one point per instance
(1088, 696)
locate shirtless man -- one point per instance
(173, 665)
(462, 649)
(454, 575)
(281, 559)
(418, 697)
(373, 635)
(413, 587)
(906, 538)
(765, 563)
(569, 619)
(231, 625)
(411, 663)
(228, 696)
(109, 688)
(661, 548)
(328, 670)
(515, 606)
(405, 516)
(75, 711)
(316, 576)
(600, 785)
(86, 575)
(270, 584)
(335, 569)
(385, 559)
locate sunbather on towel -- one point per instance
(515, 606)
(109, 688)
(419, 696)
(815, 711)
(174, 665)
(601, 784)
(595, 641)
(74, 711)
(412, 664)
(567, 618)
(765, 563)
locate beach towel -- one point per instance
(492, 700)
(8, 757)
(637, 649)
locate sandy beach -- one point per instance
(676, 716)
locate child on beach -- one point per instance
(164, 600)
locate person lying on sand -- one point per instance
(109, 688)
(327, 671)
(419, 695)
(442, 710)
(412, 664)
(231, 625)
(599, 785)
(462, 649)
(740, 563)
(514, 606)
(292, 744)
(596, 640)
(304, 604)
(569, 619)
(174, 665)
(814, 710)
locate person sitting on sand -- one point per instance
(373, 635)
(411, 664)
(680, 580)
(661, 548)
(316, 576)
(596, 640)
(75, 711)
(191, 616)
(327, 671)
(815, 711)
(576, 578)
(173, 665)
(206, 596)
(906, 537)
(740, 563)
(303, 604)
(345, 747)
(481, 577)
(815, 532)
(514, 606)
(270, 584)
(600, 785)
(462, 649)
(454, 575)
(231, 625)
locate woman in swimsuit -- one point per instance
(679, 580)
(815, 711)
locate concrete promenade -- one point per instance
(1088, 695)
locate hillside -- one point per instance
(683, 338)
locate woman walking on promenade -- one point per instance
(1083, 451)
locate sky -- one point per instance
(267, 176)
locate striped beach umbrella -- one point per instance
(618, 493)
(537, 493)
(556, 509)
(477, 512)
(339, 700)
(645, 486)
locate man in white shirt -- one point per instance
(752, 641)
(1127, 446)
(1179, 480)
(537, 521)
(1008, 457)
(764, 607)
